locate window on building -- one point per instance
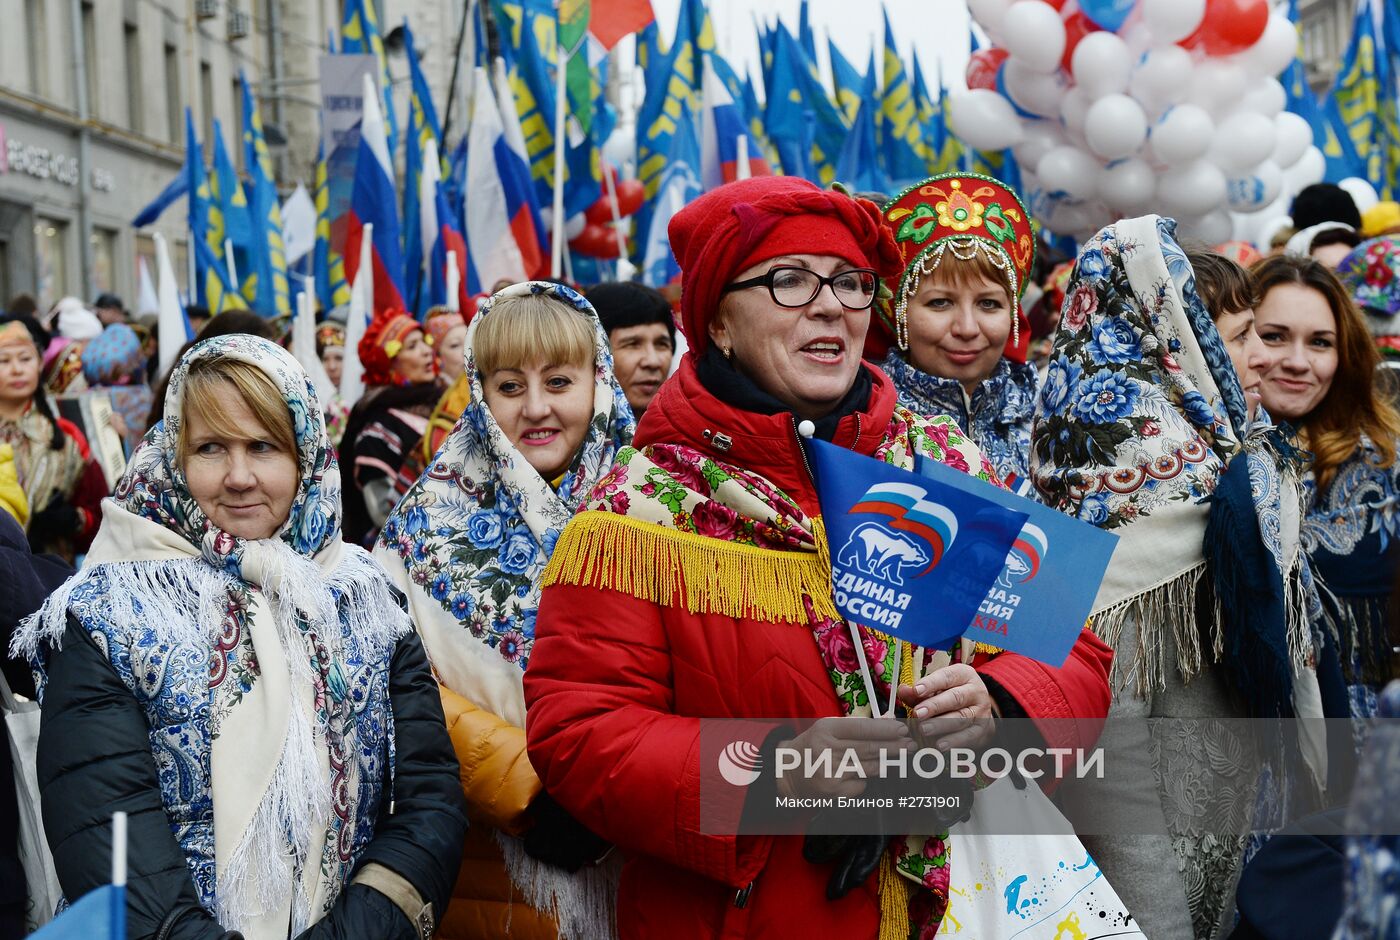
(51, 260)
(135, 87)
(94, 84)
(206, 99)
(104, 261)
(174, 129)
(38, 25)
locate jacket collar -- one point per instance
(686, 412)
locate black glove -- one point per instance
(856, 859)
(58, 520)
(559, 839)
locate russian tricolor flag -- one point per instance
(439, 230)
(513, 164)
(373, 201)
(722, 123)
(502, 219)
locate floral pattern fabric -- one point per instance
(997, 419)
(680, 488)
(178, 625)
(477, 529)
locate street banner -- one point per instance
(342, 95)
(911, 557)
(1046, 588)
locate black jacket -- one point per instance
(94, 759)
(25, 580)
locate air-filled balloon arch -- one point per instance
(1118, 107)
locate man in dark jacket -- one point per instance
(27, 580)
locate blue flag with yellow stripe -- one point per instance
(265, 286)
(1359, 95)
(900, 134)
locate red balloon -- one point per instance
(1057, 4)
(595, 240)
(630, 196)
(1229, 26)
(982, 68)
(1077, 26)
(600, 213)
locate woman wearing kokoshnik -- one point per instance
(696, 584)
(1146, 427)
(243, 683)
(968, 250)
(541, 421)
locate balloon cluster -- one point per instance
(598, 236)
(1114, 108)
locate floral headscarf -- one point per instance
(1371, 274)
(112, 361)
(477, 529)
(294, 740)
(1139, 414)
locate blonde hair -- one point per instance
(261, 396)
(533, 328)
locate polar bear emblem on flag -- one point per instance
(1023, 561)
(918, 535)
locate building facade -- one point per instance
(1325, 28)
(92, 99)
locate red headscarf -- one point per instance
(750, 221)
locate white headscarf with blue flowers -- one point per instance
(470, 540)
(299, 629)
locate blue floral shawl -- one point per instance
(262, 665)
(998, 419)
(475, 532)
(1139, 414)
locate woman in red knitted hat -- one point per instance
(695, 584)
(400, 377)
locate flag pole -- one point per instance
(454, 282)
(616, 215)
(741, 172)
(118, 915)
(556, 241)
(228, 260)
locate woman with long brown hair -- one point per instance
(1320, 378)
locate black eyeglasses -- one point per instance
(797, 287)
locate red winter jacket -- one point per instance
(617, 686)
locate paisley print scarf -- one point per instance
(668, 514)
(299, 628)
(469, 540)
(997, 416)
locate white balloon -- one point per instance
(1102, 64)
(1173, 20)
(1265, 96)
(1274, 51)
(984, 119)
(1255, 190)
(1115, 127)
(1040, 138)
(1074, 107)
(989, 14)
(1212, 228)
(1293, 136)
(1070, 217)
(1193, 189)
(1033, 32)
(1034, 91)
(1130, 186)
(1069, 170)
(1183, 134)
(1217, 85)
(1162, 78)
(1309, 169)
(1242, 141)
(1362, 193)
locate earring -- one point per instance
(727, 352)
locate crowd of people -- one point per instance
(437, 661)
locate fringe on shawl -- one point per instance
(1170, 609)
(183, 601)
(680, 569)
(582, 904)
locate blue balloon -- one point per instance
(1107, 14)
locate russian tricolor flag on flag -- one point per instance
(373, 201)
(722, 123)
(513, 164)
